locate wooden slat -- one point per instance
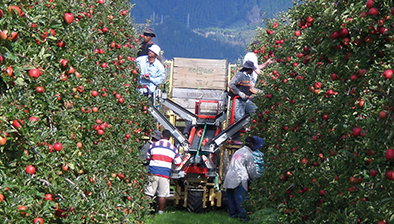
(202, 63)
(199, 73)
(202, 84)
(182, 72)
(200, 94)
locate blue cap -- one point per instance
(258, 142)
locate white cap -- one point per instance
(155, 49)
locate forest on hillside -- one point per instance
(205, 29)
(208, 13)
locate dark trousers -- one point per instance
(235, 198)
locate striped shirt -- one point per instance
(161, 155)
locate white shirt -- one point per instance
(251, 56)
(241, 169)
(155, 71)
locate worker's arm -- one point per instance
(251, 167)
(158, 76)
(265, 64)
(177, 159)
(233, 83)
(148, 154)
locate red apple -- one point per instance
(373, 172)
(334, 35)
(61, 43)
(344, 32)
(387, 74)
(390, 175)
(33, 119)
(334, 76)
(356, 131)
(39, 89)
(373, 11)
(4, 35)
(38, 221)
(58, 146)
(68, 17)
(17, 124)
(390, 154)
(30, 169)
(369, 4)
(34, 73)
(383, 115)
(15, 10)
(48, 197)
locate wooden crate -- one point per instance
(199, 79)
(199, 73)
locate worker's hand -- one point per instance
(145, 76)
(243, 96)
(271, 61)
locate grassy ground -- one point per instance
(184, 217)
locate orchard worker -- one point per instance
(161, 155)
(152, 71)
(149, 33)
(241, 169)
(156, 136)
(241, 86)
(258, 155)
(252, 56)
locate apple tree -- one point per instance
(326, 113)
(71, 120)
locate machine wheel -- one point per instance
(194, 201)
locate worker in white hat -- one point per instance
(151, 70)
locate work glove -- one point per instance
(243, 96)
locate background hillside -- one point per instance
(205, 29)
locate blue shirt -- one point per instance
(155, 71)
(259, 161)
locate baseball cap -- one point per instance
(156, 135)
(258, 142)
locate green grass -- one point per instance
(184, 217)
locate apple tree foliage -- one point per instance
(326, 113)
(70, 113)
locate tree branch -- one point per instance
(74, 185)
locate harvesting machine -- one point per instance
(194, 108)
